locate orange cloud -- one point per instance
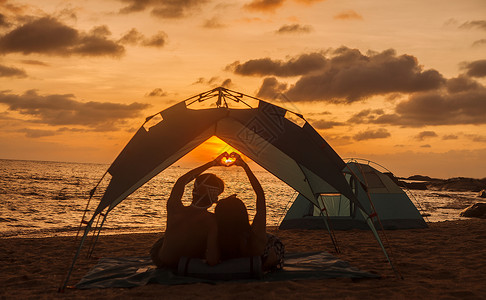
(272, 5)
(309, 2)
(264, 5)
(348, 15)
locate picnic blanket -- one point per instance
(137, 271)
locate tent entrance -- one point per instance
(336, 204)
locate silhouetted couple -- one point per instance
(194, 232)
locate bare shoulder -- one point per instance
(189, 215)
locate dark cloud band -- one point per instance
(64, 109)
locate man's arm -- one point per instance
(174, 202)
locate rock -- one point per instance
(416, 185)
(477, 210)
(420, 178)
(460, 184)
(482, 194)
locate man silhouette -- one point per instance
(191, 231)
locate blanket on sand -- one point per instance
(137, 271)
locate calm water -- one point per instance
(48, 198)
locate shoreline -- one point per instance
(445, 260)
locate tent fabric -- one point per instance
(297, 155)
(393, 207)
(126, 272)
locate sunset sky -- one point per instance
(402, 83)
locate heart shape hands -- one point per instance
(230, 159)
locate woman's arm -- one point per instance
(177, 192)
(259, 221)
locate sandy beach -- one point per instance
(447, 260)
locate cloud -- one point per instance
(12, 72)
(425, 135)
(214, 82)
(450, 137)
(49, 36)
(294, 28)
(476, 68)
(270, 6)
(37, 133)
(436, 108)
(133, 37)
(301, 65)
(365, 116)
(57, 109)
(227, 83)
(271, 88)
(348, 15)
(477, 24)
(324, 124)
(346, 75)
(166, 9)
(158, 92)
(157, 40)
(264, 5)
(3, 21)
(135, 6)
(477, 138)
(370, 134)
(461, 83)
(34, 62)
(96, 44)
(309, 2)
(213, 23)
(479, 43)
(350, 76)
(439, 108)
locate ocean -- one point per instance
(39, 198)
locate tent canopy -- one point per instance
(297, 155)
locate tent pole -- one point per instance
(286, 206)
(91, 194)
(93, 244)
(325, 221)
(94, 232)
(76, 255)
(331, 232)
(369, 221)
(328, 225)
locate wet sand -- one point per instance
(447, 260)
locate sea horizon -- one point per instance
(186, 165)
(43, 198)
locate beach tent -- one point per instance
(277, 139)
(391, 203)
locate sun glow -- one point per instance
(209, 150)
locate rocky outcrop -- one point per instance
(415, 185)
(459, 184)
(477, 210)
(482, 194)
